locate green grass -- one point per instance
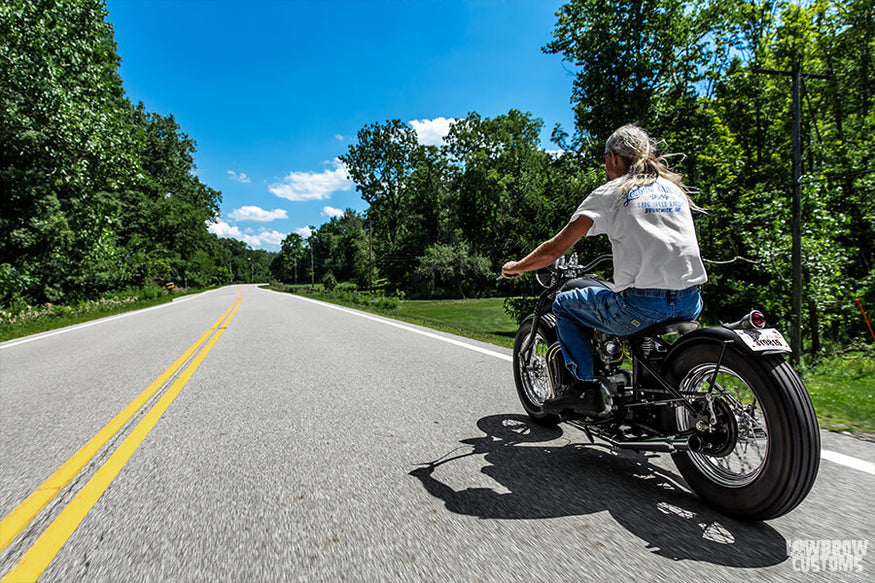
(842, 389)
(10, 331)
(27, 320)
(481, 319)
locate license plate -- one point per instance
(764, 339)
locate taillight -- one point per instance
(754, 319)
(757, 319)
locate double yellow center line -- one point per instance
(37, 558)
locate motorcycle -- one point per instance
(722, 400)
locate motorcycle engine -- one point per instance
(610, 349)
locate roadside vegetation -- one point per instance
(842, 388)
(22, 319)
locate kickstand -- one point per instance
(588, 434)
(583, 427)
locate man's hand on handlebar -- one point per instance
(510, 270)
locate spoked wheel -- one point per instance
(761, 442)
(734, 450)
(530, 371)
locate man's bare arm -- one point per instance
(550, 250)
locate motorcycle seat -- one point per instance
(679, 327)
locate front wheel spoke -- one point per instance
(533, 372)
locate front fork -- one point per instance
(554, 360)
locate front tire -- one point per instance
(763, 459)
(531, 374)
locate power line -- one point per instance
(733, 260)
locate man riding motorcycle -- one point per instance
(646, 213)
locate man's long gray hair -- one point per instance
(645, 163)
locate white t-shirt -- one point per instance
(651, 232)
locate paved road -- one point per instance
(313, 443)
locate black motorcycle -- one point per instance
(722, 399)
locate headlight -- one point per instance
(543, 276)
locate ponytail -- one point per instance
(643, 162)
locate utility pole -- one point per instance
(312, 267)
(370, 255)
(796, 207)
(796, 316)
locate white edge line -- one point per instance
(11, 343)
(408, 328)
(846, 460)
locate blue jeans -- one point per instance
(579, 311)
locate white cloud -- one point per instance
(257, 214)
(304, 232)
(338, 137)
(223, 229)
(239, 177)
(431, 132)
(330, 211)
(302, 186)
(264, 239)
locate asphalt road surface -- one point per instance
(280, 439)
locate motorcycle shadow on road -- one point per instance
(572, 479)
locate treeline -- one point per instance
(96, 194)
(441, 219)
(710, 79)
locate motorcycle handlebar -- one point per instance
(597, 261)
(562, 264)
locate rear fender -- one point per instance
(716, 335)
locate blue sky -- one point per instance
(274, 91)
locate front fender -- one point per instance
(547, 319)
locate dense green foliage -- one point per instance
(96, 194)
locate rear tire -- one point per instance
(771, 460)
(531, 375)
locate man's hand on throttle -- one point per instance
(510, 271)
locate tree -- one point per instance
(289, 264)
(453, 267)
(635, 59)
(169, 207)
(95, 194)
(499, 182)
(340, 247)
(380, 164)
(65, 129)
